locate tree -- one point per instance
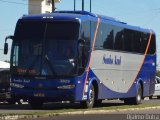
(158, 73)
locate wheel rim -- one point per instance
(91, 96)
(139, 96)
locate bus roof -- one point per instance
(83, 15)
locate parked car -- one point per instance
(5, 95)
(157, 88)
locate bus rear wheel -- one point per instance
(36, 103)
(91, 99)
(138, 98)
(135, 100)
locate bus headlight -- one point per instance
(66, 87)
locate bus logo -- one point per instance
(116, 60)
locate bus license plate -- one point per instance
(39, 95)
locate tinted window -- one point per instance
(152, 47)
(85, 33)
(39, 43)
(123, 39)
(93, 28)
(128, 40)
(86, 28)
(137, 42)
(119, 38)
(144, 42)
(99, 38)
(30, 30)
(108, 37)
(62, 30)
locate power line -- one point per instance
(5, 1)
(19, 3)
(146, 11)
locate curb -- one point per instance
(105, 111)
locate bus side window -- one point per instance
(152, 46)
(144, 41)
(119, 38)
(128, 40)
(108, 37)
(86, 36)
(137, 43)
(99, 38)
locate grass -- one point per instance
(57, 109)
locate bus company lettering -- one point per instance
(111, 60)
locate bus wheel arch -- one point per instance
(138, 97)
(92, 95)
(95, 85)
(89, 102)
(142, 87)
(97, 101)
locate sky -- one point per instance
(142, 13)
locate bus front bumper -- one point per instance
(46, 95)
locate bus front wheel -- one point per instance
(35, 103)
(89, 103)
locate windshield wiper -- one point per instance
(50, 65)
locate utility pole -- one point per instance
(90, 5)
(53, 6)
(82, 5)
(74, 5)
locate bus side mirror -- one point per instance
(6, 44)
(5, 48)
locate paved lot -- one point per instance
(25, 108)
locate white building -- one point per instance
(40, 6)
(4, 65)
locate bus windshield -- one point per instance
(45, 48)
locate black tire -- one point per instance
(11, 102)
(150, 97)
(36, 104)
(90, 102)
(135, 100)
(128, 101)
(158, 97)
(97, 103)
(138, 98)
